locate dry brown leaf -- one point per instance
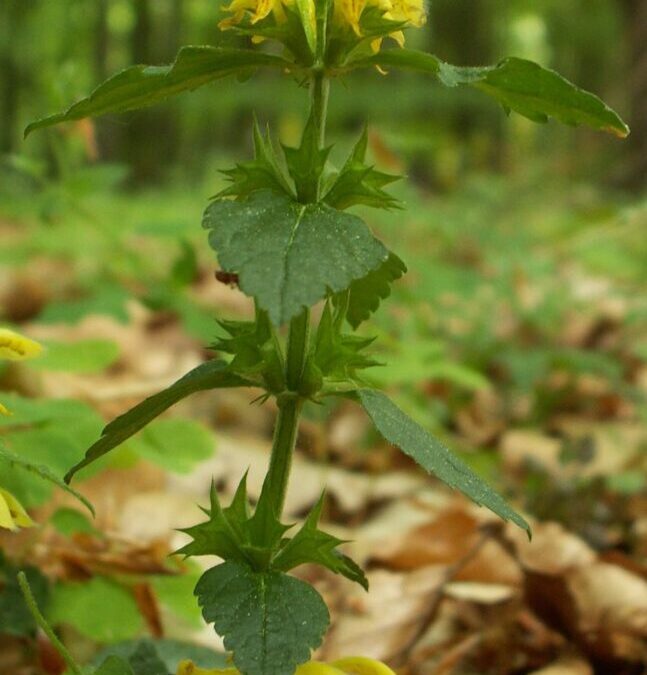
(86, 555)
(566, 666)
(446, 538)
(519, 447)
(612, 601)
(482, 420)
(149, 608)
(480, 593)
(158, 515)
(379, 623)
(553, 551)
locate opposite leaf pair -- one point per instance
(301, 168)
(256, 539)
(270, 620)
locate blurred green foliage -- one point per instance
(441, 132)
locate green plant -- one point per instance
(282, 233)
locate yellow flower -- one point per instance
(259, 9)
(354, 665)
(12, 513)
(349, 12)
(16, 347)
(411, 11)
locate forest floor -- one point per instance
(519, 337)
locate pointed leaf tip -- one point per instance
(432, 455)
(141, 86)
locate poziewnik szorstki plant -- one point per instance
(282, 229)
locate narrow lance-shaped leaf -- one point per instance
(45, 473)
(432, 455)
(517, 84)
(269, 620)
(140, 86)
(306, 9)
(210, 375)
(290, 255)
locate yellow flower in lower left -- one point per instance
(12, 513)
(16, 347)
(353, 665)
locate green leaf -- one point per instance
(170, 651)
(306, 163)
(83, 356)
(218, 535)
(336, 355)
(140, 86)
(176, 445)
(289, 255)
(70, 521)
(44, 432)
(77, 418)
(99, 609)
(432, 455)
(234, 534)
(359, 183)
(517, 84)
(174, 593)
(15, 617)
(269, 620)
(43, 472)
(312, 545)
(263, 172)
(255, 349)
(366, 294)
(210, 375)
(307, 13)
(185, 268)
(146, 661)
(113, 665)
(110, 300)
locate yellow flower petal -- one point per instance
(12, 513)
(317, 668)
(412, 11)
(353, 665)
(258, 9)
(189, 668)
(16, 347)
(360, 665)
(4, 411)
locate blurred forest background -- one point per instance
(53, 52)
(519, 337)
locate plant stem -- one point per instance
(285, 436)
(44, 626)
(297, 349)
(290, 404)
(319, 90)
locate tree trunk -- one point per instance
(635, 176)
(101, 40)
(141, 147)
(12, 13)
